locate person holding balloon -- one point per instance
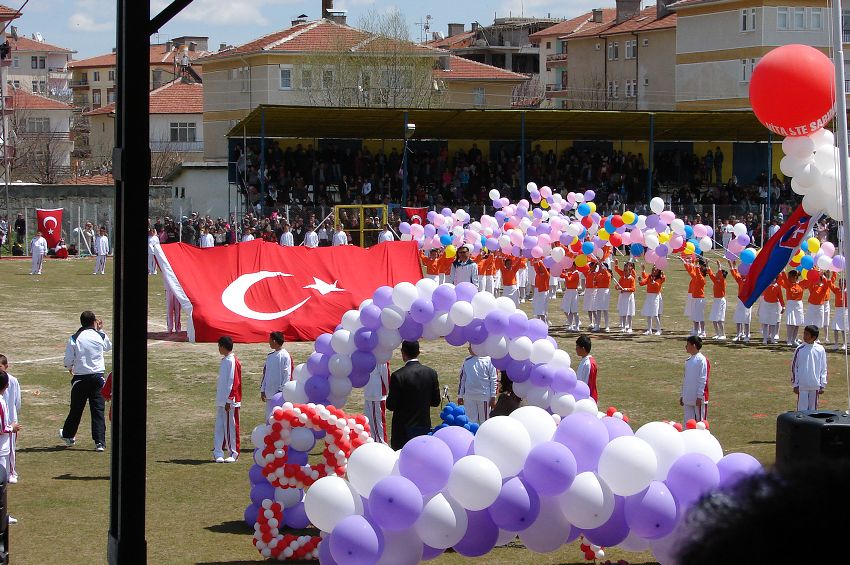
(626, 301)
(697, 273)
(569, 304)
(602, 298)
(589, 300)
(432, 265)
(651, 310)
(817, 284)
(743, 315)
(794, 312)
(509, 267)
(718, 307)
(770, 312)
(540, 302)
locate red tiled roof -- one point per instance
(455, 41)
(592, 29)
(89, 180)
(26, 100)
(158, 56)
(686, 3)
(175, 97)
(7, 13)
(464, 69)
(645, 20)
(26, 44)
(573, 25)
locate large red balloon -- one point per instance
(792, 90)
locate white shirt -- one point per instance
(153, 241)
(12, 396)
(808, 367)
(207, 240)
(463, 272)
(323, 234)
(378, 386)
(340, 238)
(696, 375)
(247, 237)
(276, 372)
(583, 369)
(311, 239)
(477, 379)
(101, 245)
(772, 230)
(226, 374)
(367, 187)
(84, 352)
(38, 246)
(5, 436)
(385, 235)
(286, 239)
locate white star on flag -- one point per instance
(50, 232)
(323, 287)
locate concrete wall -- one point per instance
(203, 188)
(657, 64)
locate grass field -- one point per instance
(194, 507)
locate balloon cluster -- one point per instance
(281, 471)
(454, 415)
(548, 480)
(816, 255)
(812, 162)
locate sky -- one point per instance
(88, 26)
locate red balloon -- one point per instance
(617, 220)
(792, 90)
(616, 239)
(587, 221)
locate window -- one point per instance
(816, 20)
(782, 18)
(34, 62)
(42, 62)
(548, 45)
(747, 66)
(17, 84)
(748, 19)
(112, 76)
(182, 131)
(479, 97)
(35, 86)
(631, 88)
(613, 51)
(327, 78)
(799, 18)
(285, 77)
(610, 91)
(37, 125)
(244, 74)
(306, 77)
(95, 99)
(110, 96)
(645, 43)
(16, 62)
(616, 89)
(96, 76)
(84, 78)
(42, 86)
(631, 49)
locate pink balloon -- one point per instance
(668, 216)
(676, 242)
(700, 231)
(536, 252)
(661, 263)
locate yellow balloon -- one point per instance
(628, 216)
(451, 251)
(798, 257)
(573, 242)
(663, 237)
(592, 207)
(603, 234)
(544, 204)
(814, 244)
(581, 260)
(804, 274)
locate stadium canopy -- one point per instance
(389, 123)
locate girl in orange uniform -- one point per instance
(794, 312)
(652, 304)
(770, 312)
(602, 299)
(839, 321)
(697, 288)
(488, 267)
(817, 311)
(718, 307)
(509, 267)
(540, 302)
(626, 301)
(432, 264)
(743, 315)
(570, 302)
(589, 301)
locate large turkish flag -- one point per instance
(251, 289)
(50, 225)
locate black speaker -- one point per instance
(812, 437)
(4, 519)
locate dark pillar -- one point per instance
(769, 173)
(262, 171)
(404, 163)
(651, 160)
(521, 155)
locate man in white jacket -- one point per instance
(808, 370)
(375, 402)
(101, 249)
(277, 371)
(476, 391)
(153, 243)
(228, 399)
(38, 250)
(694, 382)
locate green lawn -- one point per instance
(195, 507)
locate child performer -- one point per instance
(794, 312)
(8, 428)
(817, 310)
(770, 312)
(718, 307)
(522, 280)
(570, 302)
(541, 289)
(808, 370)
(587, 369)
(743, 315)
(603, 295)
(12, 396)
(509, 267)
(432, 264)
(689, 300)
(839, 321)
(228, 398)
(445, 266)
(626, 301)
(589, 301)
(697, 288)
(652, 304)
(693, 396)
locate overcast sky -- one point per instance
(88, 26)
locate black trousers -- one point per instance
(86, 388)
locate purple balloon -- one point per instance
(651, 514)
(429, 553)
(612, 532)
(517, 325)
(662, 250)
(363, 361)
(519, 371)
(261, 492)
(743, 240)
(317, 363)
(365, 339)
(550, 468)
(422, 310)
(317, 388)
(426, 461)
(275, 400)
(456, 337)
(296, 517)
(532, 230)
(459, 440)
(358, 378)
(537, 329)
(581, 391)
(744, 268)
(475, 333)
(496, 322)
(690, 476)
(465, 291)
(323, 343)
(652, 221)
(395, 503)
(838, 262)
(443, 298)
(382, 297)
(354, 542)
(616, 428)
(410, 330)
(295, 457)
(737, 466)
(255, 474)
(585, 436)
(250, 515)
(541, 375)
(565, 239)
(548, 262)
(589, 195)
(501, 363)
(516, 507)
(563, 380)
(370, 317)
(480, 537)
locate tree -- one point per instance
(41, 148)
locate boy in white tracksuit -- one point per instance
(101, 249)
(12, 396)
(276, 371)
(153, 242)
(476, 391)
(808, 370)
(7, 429)
(375, 401)
(693, 385)
(38, 250)
(228, 399)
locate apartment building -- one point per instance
(39, 67)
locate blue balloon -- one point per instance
(805, 246)
(807, 262)
(609, 226)
(446, 239)
(461, 420)
(473, 427)
(583, 209)
(587, 247)
(636, 249)
(689, 232)
(748, 255)
(450, 419)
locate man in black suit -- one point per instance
(413, 390)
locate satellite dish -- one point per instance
(39, 37)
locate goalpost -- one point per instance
(370, 220)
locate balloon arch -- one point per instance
(553, 470)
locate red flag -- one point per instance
(251, 289)
(416, 215)
(50, 225)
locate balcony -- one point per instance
(177, 146)
(555, 59)
(59, 74)
(9, 104)
(555, 87)
(79, 83)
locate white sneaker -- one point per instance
(607, 330)
(747, 339)
(658, 332)
(230, 459)
(13, 520)
(69, 441)
(647, 332)
(721, 337)
(737, 338)
(13, 479)
(219, 459)
(629, 331)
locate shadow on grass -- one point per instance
(69, 477)
(259, 560)
(231, 527)
(42, 449)
(761, 441)
(165, 336)
(187, 461)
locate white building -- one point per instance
(40, 67)
(40, 133)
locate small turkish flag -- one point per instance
(416, 215)
(50, 225)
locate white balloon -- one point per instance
(505, 304)
(542, 351)
(656, 205)
(816, 201)
(702, 441)
(538, 537)
(302, 439)
(808, 176)
(392, 317)
(538, 396)
(823, 136)
(634, 543)
(505, 442)
(678, 226)
(627, 464)
(560, 359)
(340, 386)
(826, 158)
(443, 522)
(343, 342)
(520, 348)
(406, 237)
(461, 313)
(293, 391)
(475, 482)
(401, 548)
(300, 372)
(558, 254)
(328, 501)
(798, 147)
(441, 325)
(351, 320)
(665, 441)
(388, 338)
(368, 464)
(587, 405)
(824, 262)
(651, 240)
(532, 186)
(505, 537)
(404, 293)
(482, 304)
(788, 166)
(537, 422)
(739, 229)
(588, 503)
(339, 365)
(563, 404)
(496, 346)
(705, 243)
(494, 194)
(426, 288)
(288, 497)
(258, 435)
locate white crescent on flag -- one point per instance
(48, 218)
(233, 297)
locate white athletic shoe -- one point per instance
(647, 332)
(658, 332)
(13, 520)
(13, 479)
(69, 441)
(607, 330)
(230, 459)
(219, 459)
